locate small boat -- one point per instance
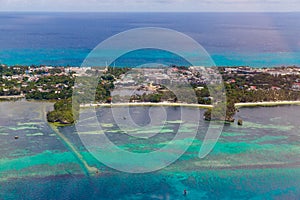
(16, 137)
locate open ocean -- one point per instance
(259, 160)
(232, 39)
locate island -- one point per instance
(244, 86)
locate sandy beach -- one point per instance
(274, 103)
(146, 104)
(13, 97)
(238, 105)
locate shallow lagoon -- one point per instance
(259, 160)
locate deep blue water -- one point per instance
(254, 39)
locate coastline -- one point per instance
(12, 97)
(267, 104)
(146, 104)
(237, 105)
(204, 106)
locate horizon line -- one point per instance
(78, 11)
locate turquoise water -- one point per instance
(232, 39)
(75, 57)
(259, 160)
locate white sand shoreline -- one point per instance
(13, 97)
(238, 105)
(266, 103)
(146, 104)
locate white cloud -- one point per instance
(150, 5)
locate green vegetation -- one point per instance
(221, 111)
(57, 83)
(50, 88)
(258, 87)
(62, 112)
(36, 82)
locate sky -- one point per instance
(152, 5)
